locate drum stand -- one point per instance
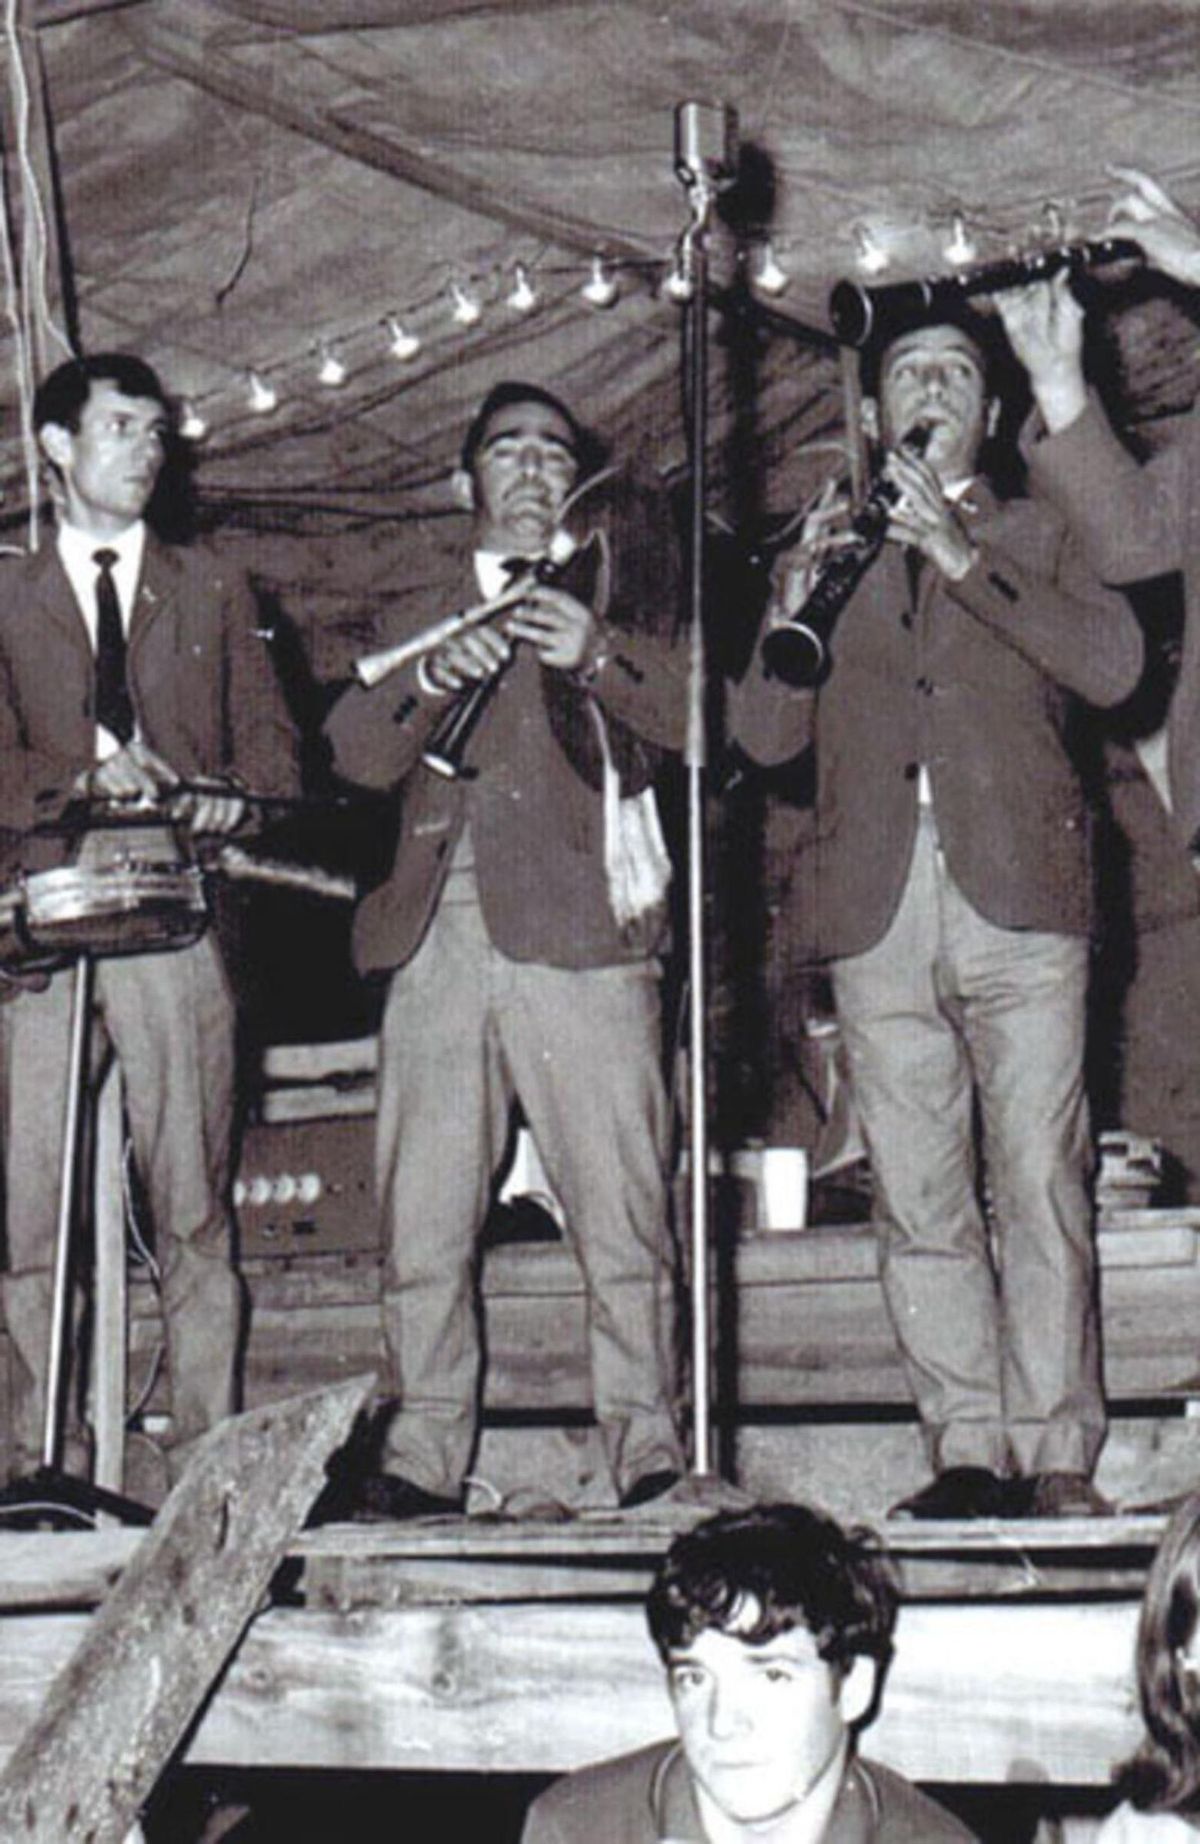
(48, 1498)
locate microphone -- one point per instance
(798, 650)
(706, 144)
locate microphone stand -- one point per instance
(693, 277)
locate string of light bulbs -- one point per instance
(950, 239)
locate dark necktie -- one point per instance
(114, 707)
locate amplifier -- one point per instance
(305, 1187)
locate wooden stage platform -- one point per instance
(470, 1644)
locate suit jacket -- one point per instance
(1137, 521)
(644, 1797)
(532, 797)
(204, 688)
(976, 681)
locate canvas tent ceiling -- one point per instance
(241, 180)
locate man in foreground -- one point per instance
(775, 1629)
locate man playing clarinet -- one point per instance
(520, 962)
(953, 890)
(134, 681)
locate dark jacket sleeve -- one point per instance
(1079, 634)
(1130, 517)
(260, 744)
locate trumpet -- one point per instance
(857, 311)
(372, 668)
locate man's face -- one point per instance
(524, 468)
(110, 464)
(759, 1723)
(935, 375)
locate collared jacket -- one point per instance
(205, 692)
(646, 1797)
(975, 680)
(532, 791)
(1136, 521)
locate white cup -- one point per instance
(783, 1188)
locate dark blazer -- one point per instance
(533, 798)
(976, 682)
(1136, 521)
(204, 687)
(644, 1797)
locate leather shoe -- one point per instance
(1063, 1494)
(390, 1497)
(959, 1492)
(649, 1487)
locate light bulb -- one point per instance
(601, 288)
(678, 286)
(522, 295)
(332, 369)
(1052, 218)
(401, 344)
(263, 396)
(769, 276)
(192, 426)
(872, 257)
(467, 310)
(960, 247)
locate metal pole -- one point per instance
(73, 1107)
(696, 355)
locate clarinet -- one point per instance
(798, 650)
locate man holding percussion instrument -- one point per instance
(138, 702)
(519, 944)
(953, 901)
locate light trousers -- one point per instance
(962, 1034)
(169, 1020)
(466, 1031)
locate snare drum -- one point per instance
(123, 907)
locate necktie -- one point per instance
(114, 707)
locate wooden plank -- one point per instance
(121, 1703)
(977, 1693)
(77, 1569)
(1033, 1693)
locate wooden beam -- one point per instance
(984, 1693)
(121, 1703)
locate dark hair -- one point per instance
(511, 390)
(983, 331)
(1004, 380)
(1164, 1774)
(60, 398)
(795, 1564)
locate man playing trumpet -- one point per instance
(520, 964)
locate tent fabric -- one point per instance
(241, 182)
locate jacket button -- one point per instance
(911, 771)
(906, 618)
(925, 685)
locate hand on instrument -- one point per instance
(924, 517)
(826, 527)
(1044, 324)
(133, 776)
(477, 653)
(557, 625)
(210, 805)
(1151, 218)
